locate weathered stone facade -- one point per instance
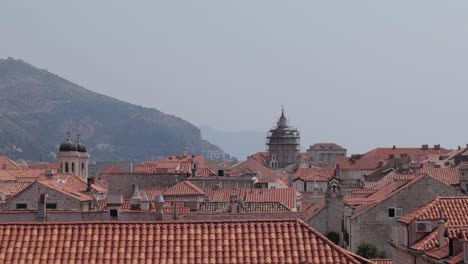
(373, 225)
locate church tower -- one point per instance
(73, 158)
(283, 144)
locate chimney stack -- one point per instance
(145, 202)
(159, 203)
(135, 200)
(49, 174)
(90, 182)
(176, 211)
(41, 207)
(425, 147)
(233, 203)
(437, 147)
(194, 169)
(441, 229)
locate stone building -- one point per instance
(74, 157)
(431, 233)
(283, 144)
(372, 221)
(327, 152)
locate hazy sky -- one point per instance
(358, 73)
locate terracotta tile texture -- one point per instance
(416, 154)
(455, 211)
(314, 174)
(286, 196)
(363, 163)
(184, 188)
(7, 164)
(279, 241)
(450, 176)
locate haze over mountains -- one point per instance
(240, 144)
(37, 108)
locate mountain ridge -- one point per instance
(37, 108)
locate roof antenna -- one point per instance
(68, 134)
(78, 137)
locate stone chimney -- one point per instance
(89, 182)
(41, 207)
(425, 147)
(49, 174)
(159, 203)
(145, 202)
(135, 200)
(114, 203)
(441, 229)
(233, 203)
(437, 147)
(2, 197)
(194, 169)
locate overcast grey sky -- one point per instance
(358, 73)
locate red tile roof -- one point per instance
(428, 242)
(44, 166)
(112, 170)
(455, 211)
(416, 154)
(391, 177)
(362, 163)
(314, 174)
(458, 232)
(9, 188)
(184, 188)
(269, 241)
(21, 175)
(7, 164)
(450, 176)
(286, 196)
(316, 208)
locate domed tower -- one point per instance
(73, 158)
(283, 144)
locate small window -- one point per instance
(51, 206)
(114, 213)
(21, 206)
(395, 212)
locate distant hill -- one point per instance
(239, 144)
(37, 108)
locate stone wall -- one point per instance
(375, 226)
(30, 196)
(121, 183)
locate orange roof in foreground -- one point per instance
(267, 241)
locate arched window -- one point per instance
(73, 167)
(66, 167)
(82, 169)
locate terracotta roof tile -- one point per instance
(316, 208)
(286, 196)
(458, 232)
(248, 207)
(458, 259)
(278, 241)
(44, 166)
(455, 211)
(314, 174)
(416, 154)
(184, 188)
(9, 188)
(112, 169)
(7, 164)
(450, 176)
(362, 163)
(426, 243)
(439, 253)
